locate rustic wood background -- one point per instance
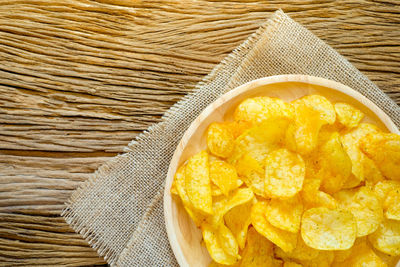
(79, 79)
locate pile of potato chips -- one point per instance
(295, 184)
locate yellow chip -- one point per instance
(284, 174)
(392, 205)
(313, 198)
(361, 255)
(228, 241)
(371, 172)
(387, 238)
(216, 191)
(220, 140)
(283, 239)
(291, 264)
(383, 188)
(223, 175)
(389, 260)
(364, 205)
(258, 109)
(223, 204)
(324, 259)
(301, 252)
(198, 182)
(335, 164)
(327, 229)
(211, 238)
(302, 135)
(321, 105)
(351, 141)
(285, 214)
(258, 251)
(179, 180)
(384, 150)
(238, 128)
(238, 220)
(347, 115)
(252, 173)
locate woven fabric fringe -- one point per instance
(119, 209)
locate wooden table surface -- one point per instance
(80, 79)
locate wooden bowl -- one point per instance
(183, 235)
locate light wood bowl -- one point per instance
(184, 236)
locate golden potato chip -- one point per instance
(220, 140)
(361, 254)
(301, 251)
(258, 251)
(223, 175)
(364, 205)
(258, 109)
(302, 135)
(252, 173)
(285, 214)
(258, 141)
(384, 150)
(221, 205)
(313, 198)
(198, 182)
(212, 241)
(324, 259)
(392, 205)
(291, 264)
(284, 174)
(283, 239)
(321, 105)
(351, 142)
(227, 240)
(389, 260)
(347, 115)
(180, 187)
(383, 188)
(238, 128)
(371, 172)
(238, 220)
(327, 229)
(387, 238)
(335, 164)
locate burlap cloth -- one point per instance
(119, 210)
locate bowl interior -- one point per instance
(185, 237)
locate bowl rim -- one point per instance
(167, 198)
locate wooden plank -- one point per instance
(80, 79)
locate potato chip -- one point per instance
(258, 141)
(285, 214)
(252, 173)
(347, 115)
(227, 240)
(221, 205)
(291, 264)
(302, 135)
(179, 180)
(372, 174)
(301, 251)
(361, 254)
(283, 239)
(389, 260)
(211, 237)
(383, 188)
(258, 251)
(238, 220)
(335, 164)
(216, 191)
(313, 198)
(351, 142)
(364, 205)
(384, 150)
(223, 175)
(324, 259)
(238, 128)
(220, 140)
(284, 174)
(320, 104)
(392, 205)
(198, 182)
(387, 238)
(327, 229)
(258, 109)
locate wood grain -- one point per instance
(80, 79)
